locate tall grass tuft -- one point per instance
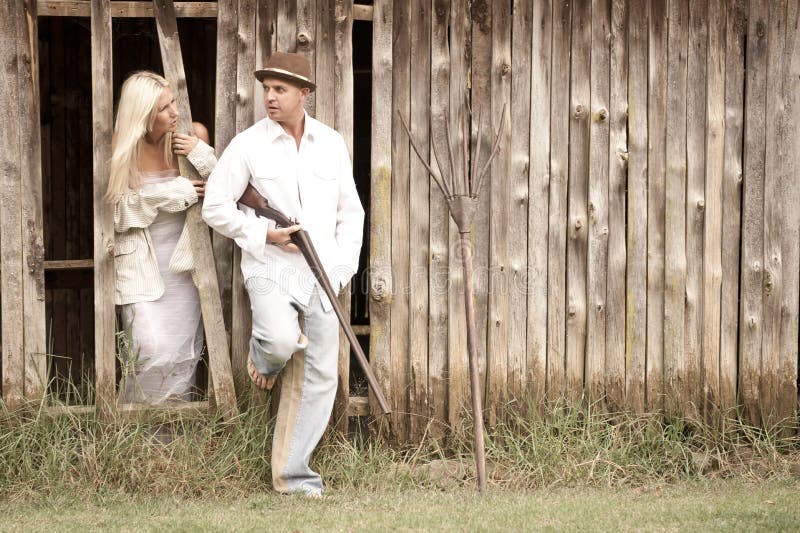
(44, 455)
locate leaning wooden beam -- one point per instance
(10, 213)
(35, 331)
(205, 274)
(102, 118)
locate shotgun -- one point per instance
(252, 198)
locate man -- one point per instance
(302, 168)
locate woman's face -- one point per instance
(166, 114)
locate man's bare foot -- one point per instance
(261, 381)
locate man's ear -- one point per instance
(305, 90)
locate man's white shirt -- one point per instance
(312, 184)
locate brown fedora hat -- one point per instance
(293, 68)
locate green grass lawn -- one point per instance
(688, 506)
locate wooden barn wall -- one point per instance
(635, 246)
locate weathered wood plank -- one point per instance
(538, 210)
(752, 240)
(479, 86)
(343, 122)
(316, 32)
(597, 258)
(35, 332)
(617, 183)
(773, 211)
(577, 195)
(11, 250)
(712, 237)
(102, 121)
(519, 177)
(401, 104)
(81, 8)
(560, 113)
(266, 40)
(362, 12)
(636, 276)
(790, 147)
(204, 274)
(438, 266)
(380, 223)
(419, 205)
(695, 205)
(731, 200)
(224, 129)
(458, 401)
(287, 25)
(656, 148)
(675, 213)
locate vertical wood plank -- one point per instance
(752, 240)
(773, 211)
(497, 355)
(419, 205)
(636, 277)
(343, 122)
(539, 188)
(11, 250)
(313, 33)
(790, 147)
(559, 167)
(224, 130)
(401, 103)
(597, 258)
(287, 25)
(578, 191)
(458, 392)
(695, 203)
(519, 171)
(712, 236)
(480, 89)
(102, 121)
(617, 184)
(439, 217)
(731, 200)
(675, 214)
(265, 42)
(35, 332)
(656, 131)
(380, 254)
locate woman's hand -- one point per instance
(199, 187)
(183, 144)
(282, 237)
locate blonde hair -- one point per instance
(136, 114)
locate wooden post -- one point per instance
(656, 171)
(102, 123)
(538, 190)
(205, 275)
(597, 258)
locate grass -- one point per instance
(574, 468)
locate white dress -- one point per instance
(165, 336)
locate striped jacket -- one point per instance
(135, 264)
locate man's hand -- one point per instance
(282, 237)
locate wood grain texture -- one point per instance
(752, 239)
(731, 200)
(675, 213)
(559, 172)
(419, 209)
(519, 179)
(617, 183)
(695, 204)
(636, 276)
(315, 30)
(597, 210)
(82, 8)
(287, 25)
(656, 148)
(102, 121)
(538, 190)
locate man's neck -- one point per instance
(295, 127)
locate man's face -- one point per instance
(283, 100)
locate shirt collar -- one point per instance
(275, 130)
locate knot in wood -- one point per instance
(578, 224)
(505, 69)
(760, 29)
(110, 248)
(756, 267)
(571, 310)
(701, 205)
(303, 38)
(602, 114)
(580, 111)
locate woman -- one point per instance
(159, 304)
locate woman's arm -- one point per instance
(196, 149)
(138, 209)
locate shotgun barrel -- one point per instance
(301, 239)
